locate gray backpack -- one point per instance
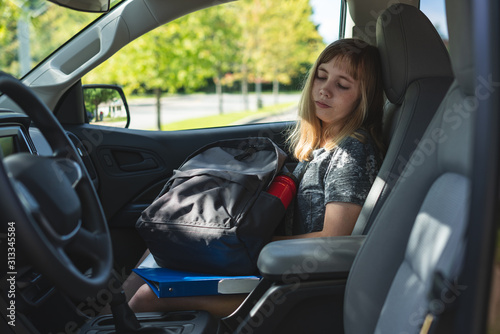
(214, 214)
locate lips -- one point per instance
(322, 105)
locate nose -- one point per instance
(325, 89)
(324, 92)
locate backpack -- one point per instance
(214, 214)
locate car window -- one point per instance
(24, 24)
(236, 63)
(435, 11)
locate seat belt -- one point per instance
(441, 287)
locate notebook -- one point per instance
(174, 283)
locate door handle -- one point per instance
(148, 163)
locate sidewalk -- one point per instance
(286, 115)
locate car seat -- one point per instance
(416, 71)
(417, 235)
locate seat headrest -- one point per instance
(410, 49)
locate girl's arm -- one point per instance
(340, 219)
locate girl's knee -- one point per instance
(142, 299)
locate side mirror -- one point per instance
(106, 104)
(92, 6)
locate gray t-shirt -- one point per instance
(344, 174)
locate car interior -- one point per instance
(418, 261)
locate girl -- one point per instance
(337, 139)
(337, 142)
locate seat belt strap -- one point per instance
(429, 321)
(442, 297)
(439, 288)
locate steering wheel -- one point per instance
(52, 207)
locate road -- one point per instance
(180, 107)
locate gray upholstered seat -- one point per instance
(417, 73)
(420, 229)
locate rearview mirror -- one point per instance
(92, 6)
(106, 105)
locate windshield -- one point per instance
(24, 27)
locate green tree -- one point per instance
(168, 58)
(9, 14)
(218, 39)
(279, 40)
(61, 23)
(252, 19)
(288, 54)
(251, 40)
(93, 97)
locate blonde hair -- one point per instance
(361, 61)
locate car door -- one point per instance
(129, 167)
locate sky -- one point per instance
(435, 11)
(326, 13)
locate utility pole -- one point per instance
(23, 36)
(29, 9)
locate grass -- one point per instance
(225, 119)
(115, 119)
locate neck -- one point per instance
(333, 131)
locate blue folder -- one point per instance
(173, 283)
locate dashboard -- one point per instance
(14, 134)
(18, 135)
